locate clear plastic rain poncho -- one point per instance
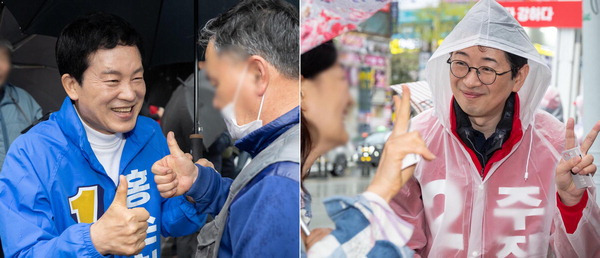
(512, 212)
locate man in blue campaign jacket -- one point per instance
(80, 183)
(252, 59)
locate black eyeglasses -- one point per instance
(486, 75)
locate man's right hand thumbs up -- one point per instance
(120, 231)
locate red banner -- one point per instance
(563, 14)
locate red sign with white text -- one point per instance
(563, 14)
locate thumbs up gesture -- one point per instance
(120, 231)
(175, 173)
(568, 192)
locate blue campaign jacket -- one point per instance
(52, 187)
(263, 218)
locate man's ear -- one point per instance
(520, 78)
(71, 86)
(258, 68)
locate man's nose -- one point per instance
(471, 79)
(127, 92)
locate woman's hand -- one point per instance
(390, 177)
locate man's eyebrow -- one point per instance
(115, 72)
(139, 70)
(490, 59)
(461, 53)
(110, 71)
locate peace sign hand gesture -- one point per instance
(568, 192)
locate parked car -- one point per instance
(369, 151)
(334, 162)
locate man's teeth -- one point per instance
(123, 110)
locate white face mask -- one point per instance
(239, 131)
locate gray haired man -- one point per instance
(252, 60)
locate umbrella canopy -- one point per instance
(45, 17)
(34, 64)
(34, 70)
(167, 27)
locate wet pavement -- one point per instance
(321, 188)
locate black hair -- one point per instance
(86, 35)
(318, 60)
(267, 28)
(516, 63)
(313, 63)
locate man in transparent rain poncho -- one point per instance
(499, 186)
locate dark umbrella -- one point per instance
(34, 64)
(47, 17)
(167, 27)
(34, 70)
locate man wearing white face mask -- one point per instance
(239, 131)
(257, 91)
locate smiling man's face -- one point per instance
(476, 98)
(112, 91)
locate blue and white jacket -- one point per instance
(52, 188)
